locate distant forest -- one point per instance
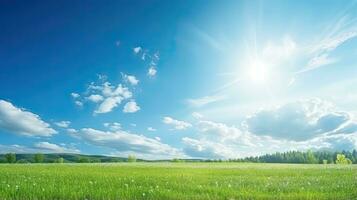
(309, 157)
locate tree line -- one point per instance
(309, 157)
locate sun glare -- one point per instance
(257, 73)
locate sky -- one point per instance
(178, 79)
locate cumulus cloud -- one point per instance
(63, 124)
(105, 95)
(130, 79)
(297, 121)
(131, 107)
(22, 122)
(202, 148)
(95, 98)
(302, 125)
(108, 104)
(124, 142)
(177, 125)
(110, 97)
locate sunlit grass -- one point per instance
(177, 181)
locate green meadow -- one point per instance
(177, 181)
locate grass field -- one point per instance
(177, 181)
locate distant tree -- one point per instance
(131, 158)
(310, 158)
(10, 157)
(38, 158)
(96, 160)
(324, 161)
(83, 160)
(341, 159)
(176, 160)
(59, 160)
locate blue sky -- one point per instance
(169, 79)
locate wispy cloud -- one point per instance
(43, 147)
(198, 102)
(63, 124)
(344, 30)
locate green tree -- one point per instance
(59, 160)
(83, 160)
(131, 158)
(310, 158)
(10, 157)
(38, 158)
(341, 159)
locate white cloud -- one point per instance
(22, 122)
(79, 103)
(137, 50)
(197, 115)
(46, 147)
(107, 96)
(302, 125)
(318, 61)
(40, 147)
(325, 47)
(75, 95)
(152, 71)
(131, 79)
(131, 107)
(124, 142)
(108, 104)
(207, 149)
(157, 138)
(297, 121)
(205, 100)
(95, 98)
(332, 43)
(178, 125)
(151, 129)
(276, 53)
(115, 126)
(63, 124)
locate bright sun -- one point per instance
(258, 73)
